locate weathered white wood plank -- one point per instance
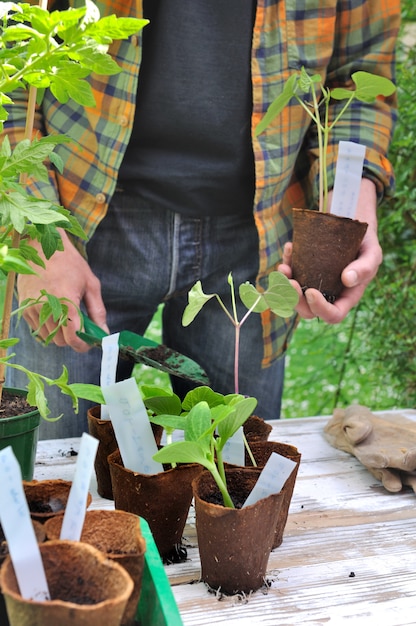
(341, 521)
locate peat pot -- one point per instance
(323, 245)
(48, 498)
(261, 450)
(86, 588)
(102, 429)
(118, 535)
(234, 544)
(162, 499)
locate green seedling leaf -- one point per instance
(154, 391)
(196, 300)
(370, 86)
(17, 209)
(201, 394)
(280, 296)
(252, 298)
(87, 392)
(278, 104)
(239, 415)
(11, 260)
(199, 424)
(182, 452)
(306, 82)
(5, 344)
(166, 405)
(169, 422)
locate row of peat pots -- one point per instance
(227, 538)
(91, 582)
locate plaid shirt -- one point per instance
(331, 37)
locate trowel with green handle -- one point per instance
(139, 349)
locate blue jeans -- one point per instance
(143, 257)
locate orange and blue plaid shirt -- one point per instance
(331, 37)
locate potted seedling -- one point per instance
(232, 556)
(310, 267)
(56, 50)
(279, 297)
(233, 553)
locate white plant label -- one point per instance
(132, 427)
(233, 451)
(348, 175)
(74, 515)
(19, 532)
(272, 478)
(109, 362)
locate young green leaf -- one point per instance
(370, 86)
(278, 104)
(182, 452)
(166, 405)
(201, 394)
(169, 422)
(196, 300)
(280, 296)
(199, 426)
(236, 418)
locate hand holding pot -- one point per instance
(356, 276)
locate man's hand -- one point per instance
(355, 276)
(67, 274)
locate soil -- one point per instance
(4, 550)
(12, 405)
(53, 506)
(237, 498)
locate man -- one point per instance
(177, 188)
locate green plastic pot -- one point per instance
(21, 432)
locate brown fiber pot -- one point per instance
(118, 535)
(261, 451)
(86, 588)
(103, 431)
(256, 429)
(323, 245)
(234, 544)
(4, 551)
(48, 498)
(163, 499)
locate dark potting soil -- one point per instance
(216, 498)
(12, 405)
(84, 599)
(4, 550)
(178, 554)
(53, 506)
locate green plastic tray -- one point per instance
(157, 605)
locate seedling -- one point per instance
(306, 90)
(40, 50)
(208, 420)
(280, 297)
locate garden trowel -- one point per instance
(139, 349)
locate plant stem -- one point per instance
(11, 277)
(236, 358)
(222, 487)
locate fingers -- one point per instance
(66, 275)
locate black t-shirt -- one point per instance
(191, 149)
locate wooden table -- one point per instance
(348, 554)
